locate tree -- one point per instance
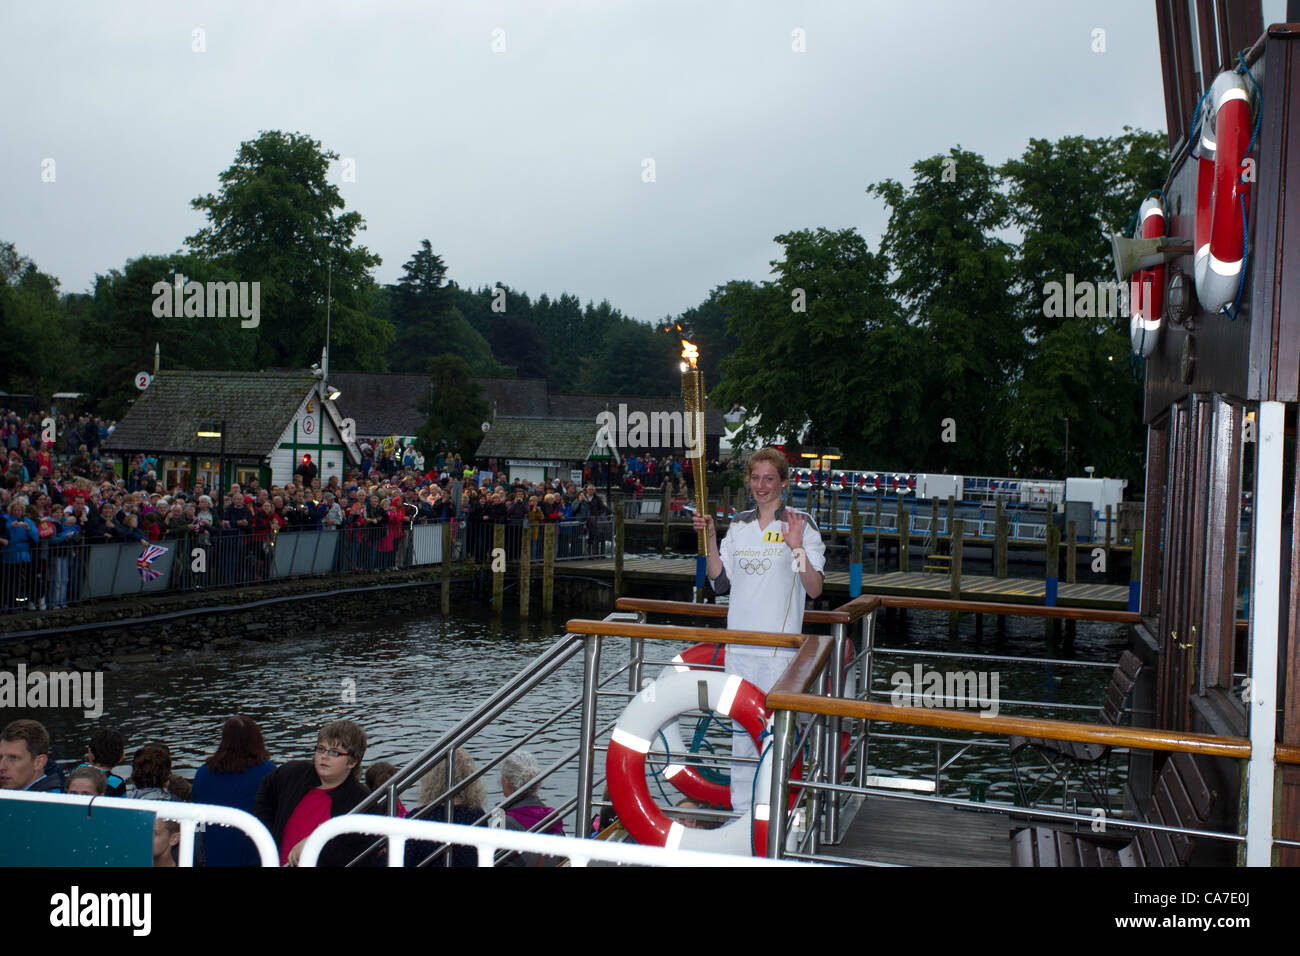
(277, 220)
(632, 358)
(811, 341)
(123, 327)
(455, 410)
(427, 324)
(953, 273)
(1067, 197)
(40, 352)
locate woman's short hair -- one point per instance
(242, 746)
(773, 455)
(347, 737)
(433, 785)
(519, 768)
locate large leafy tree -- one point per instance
(953, 271)
(810, 353)
(122, 327)
(632, 358)
(455, 410)
(1066, 197)
(278, 220)
(40, 354)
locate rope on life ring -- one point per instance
(664, 700)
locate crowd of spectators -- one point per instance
(55, 502)
(291, 799)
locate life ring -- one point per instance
(688, 779)
(1147, 289)
(1221, 196)
(664, 700)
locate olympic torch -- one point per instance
(693, 400)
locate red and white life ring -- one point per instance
(1225, 138)
(1147, 287)
(687, 779)
(664, 700)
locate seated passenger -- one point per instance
(150, 772)
(230, 778)
(378, 774)
(527, 811)
(297, 797)
(466, 809)
(166, 837)
(107, 749)
(25, 759)
(87, 781)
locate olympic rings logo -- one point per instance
(755, 565)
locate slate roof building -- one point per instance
(534, 434)
(271, 419)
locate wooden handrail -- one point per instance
(810, 616)
(811, 660)
(1286, 753)
(1141, 737)
(672, 632)
(1022, 610)
(861, 606)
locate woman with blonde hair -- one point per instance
(466, 809)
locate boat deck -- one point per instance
(974, 587)
(910, 833)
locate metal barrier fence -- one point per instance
(59, 574)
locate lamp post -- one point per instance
(218, 430)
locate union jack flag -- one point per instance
(145, 562)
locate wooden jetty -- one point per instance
(901, 583)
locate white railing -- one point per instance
(487, 840)
(188, 815)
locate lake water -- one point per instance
(414, 679)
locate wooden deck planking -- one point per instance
(974, 587)
(910, 833)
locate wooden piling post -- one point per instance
(548, 568)
(618, 551)
(876, 548)
(934, 521)
(1135, 574)
(835, 508)
(525, 569)
(1049, 590)
(726, 500)
(1071, 545)
(955, 545)
(904, 536)
(665, 509)
(855, 555)
(853, 499)
(952, 511)
(1106, 545)
(956, 529)
(1000, 544)
(498, 576)
(446, 568)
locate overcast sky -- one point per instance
(527, 165)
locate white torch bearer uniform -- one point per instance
(758, 571)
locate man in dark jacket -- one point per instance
(24, 759)
(297, 797)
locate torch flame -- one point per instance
(689, 352)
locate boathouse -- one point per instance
(267, 422)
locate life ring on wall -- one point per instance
(1222, 199)
(1147, 288)
(666, 699)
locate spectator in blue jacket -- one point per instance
(19, 536)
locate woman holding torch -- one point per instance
(771, 559)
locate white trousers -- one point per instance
(761, 666)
